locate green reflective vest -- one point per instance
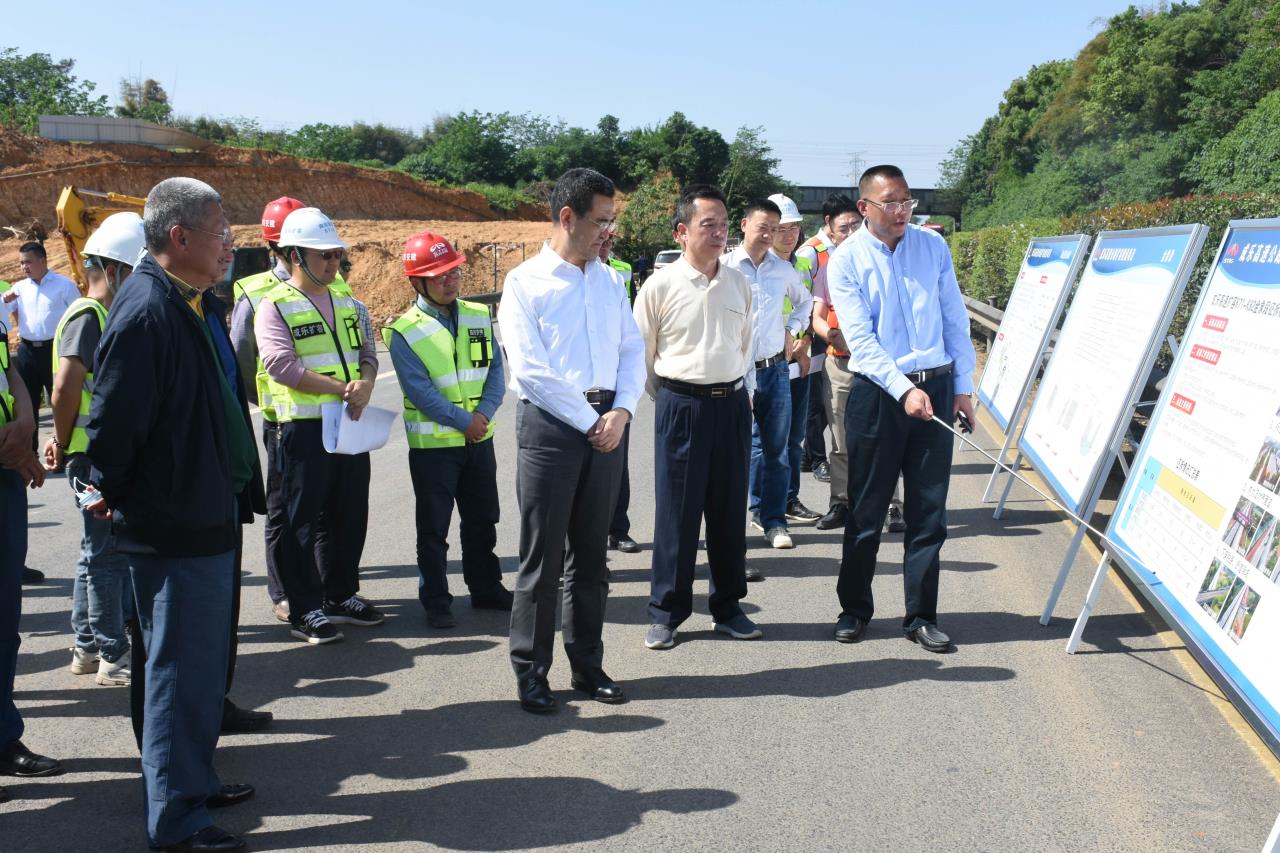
(79, 438)
(458, 366)
(802, 266)
(321, 348)
(6, 399)
(624, 269)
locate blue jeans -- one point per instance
(13, 553)
(102, 595)
(795, 439)
(184, 610)
(770, 467)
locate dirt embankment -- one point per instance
(33, 172)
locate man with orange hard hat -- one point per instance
(450, 371)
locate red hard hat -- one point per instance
(273, 216)
(430, 255)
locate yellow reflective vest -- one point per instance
(321, 348)
(83, 305)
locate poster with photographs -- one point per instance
(1198, 522)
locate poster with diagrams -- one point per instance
(1039, 293)
(1121, 309)
(1197, 523)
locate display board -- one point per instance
(1196, 523)
(1039, 294)
(1122, 306)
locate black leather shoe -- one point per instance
(535, 694)
(499, 599)
(17, 760)
(598, 686)
(754, 575)
(835, 517)
(229, 795)
(240, 721)
(211, 839)
(822, 472)
(930, 637)
(624, 543)
(441, 618)
(849, 628)
(30, 575)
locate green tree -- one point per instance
(146, 100)
(644, 226)
(1245, 159)
(751, 171)
(35, 84)
(466, 147)
(323, 142)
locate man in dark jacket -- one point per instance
(171, 452)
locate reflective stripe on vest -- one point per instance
(256, 288)
(330, 350)
(79, 438)
(6, 399)
(801, 266)
(458, 366)
(823, 253)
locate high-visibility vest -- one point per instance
(458, 366)
(321, 348)
(821, 250)
(6, 399)
(624, 269)
(802, 267)
(84, 305)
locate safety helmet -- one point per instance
(119, 238)
(274, 215)
(309, 228)
(430, 255)
(790, 213)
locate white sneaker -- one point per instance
(114, 674)
(84, 661)
(778, 537)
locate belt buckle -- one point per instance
(719, 392)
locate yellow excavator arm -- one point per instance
(80, 212)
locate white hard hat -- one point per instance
(309, 228)
(119, 238)
(790, 213)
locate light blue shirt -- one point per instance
(900, 309)
(416, 382)
(771, 283)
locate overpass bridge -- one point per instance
(932, 202)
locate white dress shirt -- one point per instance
(40, 306)
(771, 282)
(566, 331)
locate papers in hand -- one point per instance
(343, 435)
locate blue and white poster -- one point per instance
(1197, 521)
(1039, 293)
(1122, 306)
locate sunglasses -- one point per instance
(331, 255)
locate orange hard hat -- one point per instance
(273, 216)
(430, 255)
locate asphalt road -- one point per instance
(403, 738)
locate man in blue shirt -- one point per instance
(894, 289)
(444, 353)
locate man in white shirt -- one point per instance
(576, 362)
(772, 281)
(39, 301)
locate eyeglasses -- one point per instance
(331, 255)
(224, 235)
(894, 207)
(602, 224)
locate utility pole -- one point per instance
(856, 165)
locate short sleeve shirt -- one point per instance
(80, 338)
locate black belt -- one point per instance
(769, 362)
(599, 398)
(919, 377)
(714, 389)
(36, 344)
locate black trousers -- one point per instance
(621, 525)
(815, 441)
(35, 365)
(138, 653)
(702, 447)
(276, 521)
(326, 510)
(468, 476)
(883, 443)
(567, 492)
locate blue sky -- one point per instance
(886, 82)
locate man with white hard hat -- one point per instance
(314, 349)
(102, 592)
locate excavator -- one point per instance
(81, 211)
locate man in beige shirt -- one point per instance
(695, 319)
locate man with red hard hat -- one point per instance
(450, 371)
